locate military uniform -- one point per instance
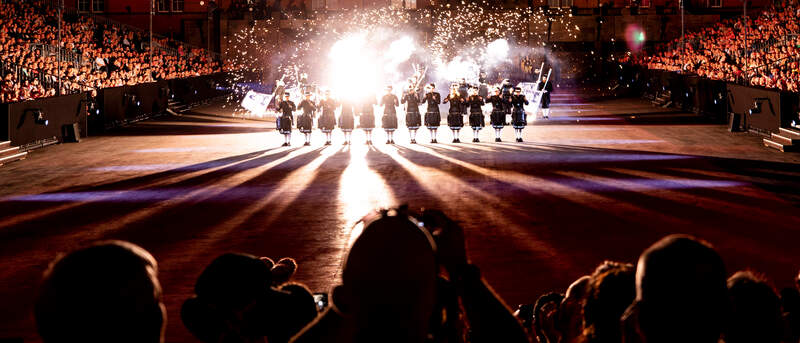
(432, 116)
(389, 120)
(498, 116)
(327, 121)
(286, 119)
(305, 122)
(455, 118)
(413, 118)
(475, 103)
(518, 117)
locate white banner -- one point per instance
(256, 103)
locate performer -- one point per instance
(389, 121)
(507, 89)
(432, 116)
(455, 118)
(498, 116)
(463, 88)
(483, 88)
(346, 120)
(546, 87)
(366, 116)
(413, 118)
(475, 103)
(305, 121)
(303, 83)
(287, 108)
(518, 116)
(327, 121)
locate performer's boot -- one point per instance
(433, 136)
(546, 113)
(286, 139)
(369, 137)
(327, 138)
(475, 133)
(497, 135)
(519, 135)
(413, 134)
(308, 139)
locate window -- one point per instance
(162, 6)
(91, 5)
(403, 3)
(559, 3)
(645, 3)
(714, 3)
(177, 5)
(98, 5)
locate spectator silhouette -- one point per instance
(681, 295)
(107, 292)
(545, 312)
(790, 307)
(570, 313)
(611, 290)
(755, 310)
(235, 302)
(389, 285)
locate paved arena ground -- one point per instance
(597, 181)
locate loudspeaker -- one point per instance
(735, 124)
(70, 133)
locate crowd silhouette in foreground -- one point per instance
(769, 57)
(408, 278)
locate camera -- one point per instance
(321, 299)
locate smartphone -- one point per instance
(321, 299)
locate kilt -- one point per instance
(305, 123)
(389, 121)
(326, 122)
(284, 124)
(413, 120)
(366, 121)
(433, 119)
(455, 120)
(498, 119)
(476, 119)
(519, 119)
(346, 122)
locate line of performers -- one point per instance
(504, 100)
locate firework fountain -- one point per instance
(360, 51)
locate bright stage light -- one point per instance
(457, 68)
(352, 69)
(399, 52)
(497, 51)
(635, 37)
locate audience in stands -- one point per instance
(770, 57)
(403, 282)
(95, 55)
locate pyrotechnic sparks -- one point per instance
(354, 50)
